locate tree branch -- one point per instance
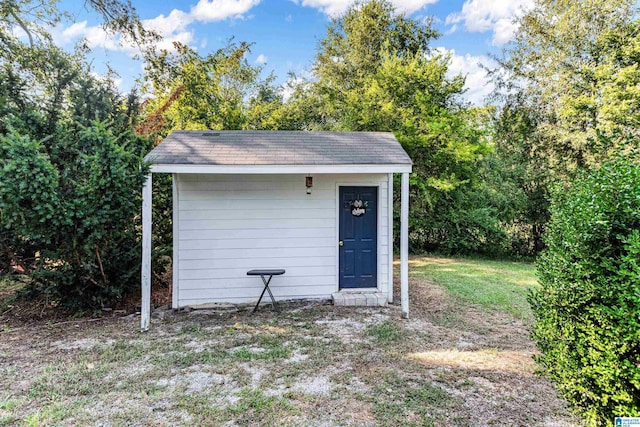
(104, 278)
(22, 25)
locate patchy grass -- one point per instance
(387, 332)
(10, 286)
(495, 285)
(413, 403)
(459, 360)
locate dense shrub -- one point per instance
(70, 178)
(76, 202)
(462, 221)
(587, 309)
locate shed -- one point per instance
(317, 204)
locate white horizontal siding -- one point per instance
(229, 224)
(232, 273)
(272, 233)
(255, 263)
(281, 242)
(244, 281)
(273, 252)
(220, 214)
(248, 204)
(251, 224)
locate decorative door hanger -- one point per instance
(358, 207)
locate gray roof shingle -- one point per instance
(279, 148)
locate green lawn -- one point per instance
(494, 285)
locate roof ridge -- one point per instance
(251, 147)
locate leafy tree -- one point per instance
(264, 111)
(575, 63)
(376, 73)
(569, 98)
(520, 171)
(33, 17)
(70, 169)
(356, 42)
(27, 204)
(268, 110)
(194, 92)
(75, 205)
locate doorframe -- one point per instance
(377, 184)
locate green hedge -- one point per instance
(587, 309)
(77, 202)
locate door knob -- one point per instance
(340, 243)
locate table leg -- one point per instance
(266, 288)
(273, 300)
(262, 294)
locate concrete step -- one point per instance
(363, 299)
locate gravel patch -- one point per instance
(296, 357)
(81, 344)
(317, 386)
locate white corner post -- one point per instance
(404, 245)
(390, 236)
(145, 312)
(175, 262)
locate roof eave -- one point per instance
(280, 169)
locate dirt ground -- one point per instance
(314, 365)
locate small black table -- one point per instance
(262, 274)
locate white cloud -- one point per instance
(261, 59)
(96, 36)
(490, 15)
(176, 21)
(477, 84)
(410, 6)
(173, 27)
(302, 76)
(116, 81)
(217, 10)
(328, 7)
(75, 31)
(336, 7)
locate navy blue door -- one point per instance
(358, 237)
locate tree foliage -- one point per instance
(376, 72)
(34, 18)
(194, 92)
(519, 171)
(357, 42)
(569, 91)
(587, 326)
(77, 211)
(576, 65)
(70, 172)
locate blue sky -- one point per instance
(285, 33)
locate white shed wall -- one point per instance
(229, 224)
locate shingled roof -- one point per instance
(278, 148)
